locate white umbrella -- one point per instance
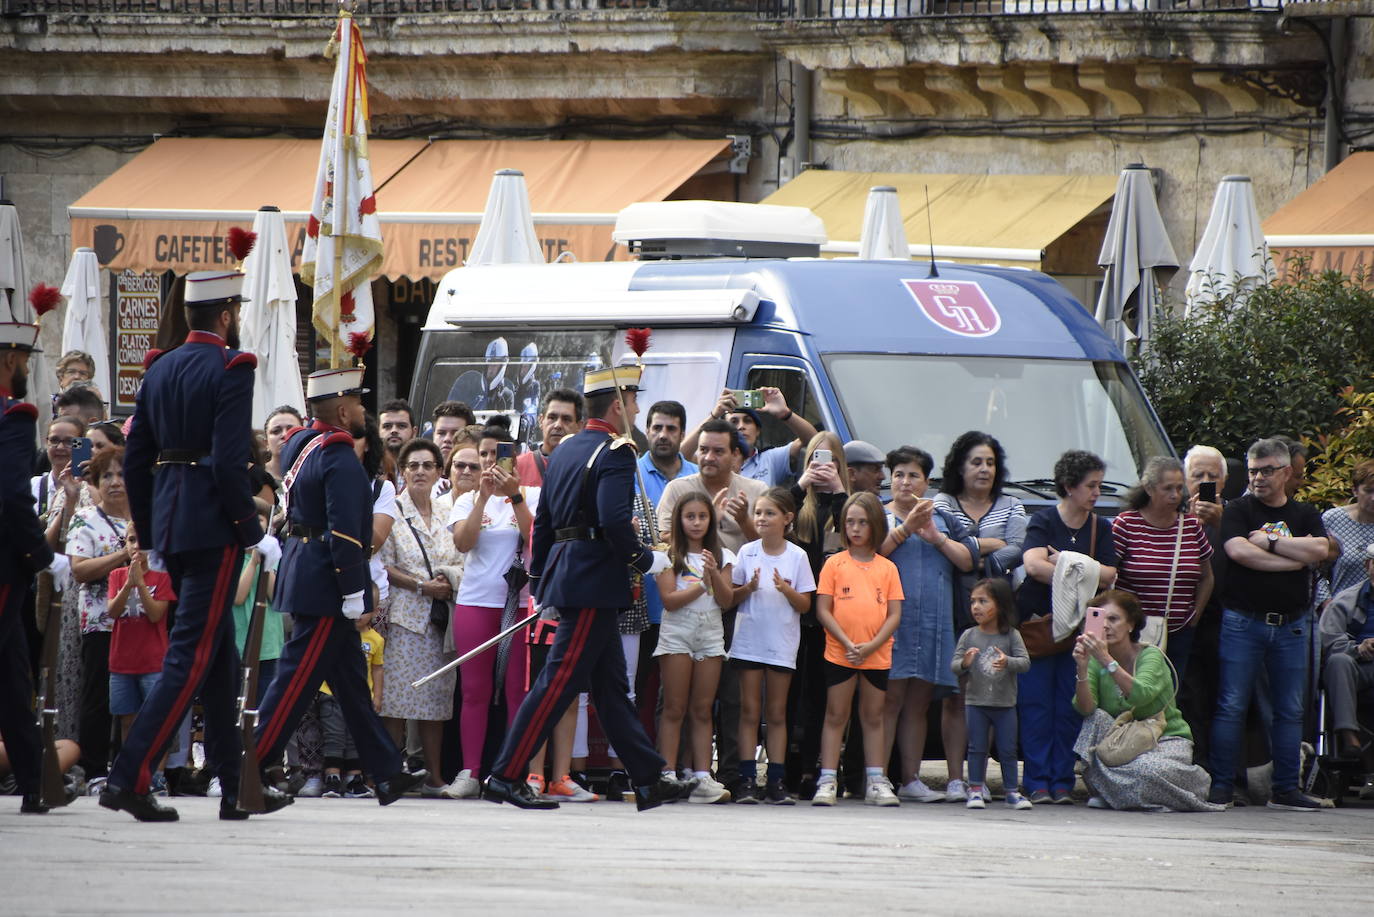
(82, 329)
(13, 288)
(1233, 258)
(267, 325)
(1135, 246)
(883, 236)
(506, 234)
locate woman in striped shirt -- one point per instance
(1149, 536)
(971, 484)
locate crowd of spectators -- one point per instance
(805, 623)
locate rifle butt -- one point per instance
(250, 778)
(52, 788)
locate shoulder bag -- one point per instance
(438, 609)
(1156, 629)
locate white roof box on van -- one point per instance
(719, 229)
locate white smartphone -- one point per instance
(821, 455)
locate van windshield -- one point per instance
(1037, 409)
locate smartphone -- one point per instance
(821, 455)
(1092, 623)
(1207, 491)
(747, 398)
(81, 454)
(505, 457)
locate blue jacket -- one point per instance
(196, 399)
(584, 573)
(23, 550)
(330, 493)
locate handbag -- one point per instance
(1129, 738)
(438, 609)
(1156, 629)
(1038, 633)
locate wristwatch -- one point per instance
(1112, 667)
(517, 498)
(1273, 542)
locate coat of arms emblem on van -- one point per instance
(958, 306)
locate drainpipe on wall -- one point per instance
(1335, 92)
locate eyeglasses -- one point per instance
(466, 466)
(1266, 472)
(421, 466)
(60, 441)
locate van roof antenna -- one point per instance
(930, 230)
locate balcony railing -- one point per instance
(915, 9)
(286, 9)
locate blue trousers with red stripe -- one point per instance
(202, 660)
(18, 726)
(325, 649)
(586, 656)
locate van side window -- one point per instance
(801, 398)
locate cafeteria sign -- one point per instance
(138, 302)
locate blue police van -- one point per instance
(891, 352)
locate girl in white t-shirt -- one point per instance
(691, 640)
(775, 584)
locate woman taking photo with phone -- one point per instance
(1115, 674)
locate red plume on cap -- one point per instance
(44, 299)
(240, 242)
(637, 339)
(359, 343)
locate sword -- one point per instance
(475, 651)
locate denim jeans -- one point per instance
(980, 720)
(1049, 723)
(1249, 646)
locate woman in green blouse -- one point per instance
(1116, 673)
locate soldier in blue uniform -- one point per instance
(325, 583)
(585, 548)
(186, 470)
(23, 552)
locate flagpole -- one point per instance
(341, 194)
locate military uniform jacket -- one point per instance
(23, 550)
(329, 494)
(196, 400)
(587, 572)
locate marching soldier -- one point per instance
(325, 582)
(186, 471)
(585, 548)
(23, 553)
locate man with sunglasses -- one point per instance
(1271, 541)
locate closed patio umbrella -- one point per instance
(268, 322)
(506, 234)
(83, 328)
(14, 307)
(1135, 247)
(1232, 259)
(883, 236)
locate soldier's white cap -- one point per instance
(331, 383)
(19, 336)
(210, 288)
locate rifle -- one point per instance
(52, 787)
(250, 774)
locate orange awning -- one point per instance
(170, 207)
(1331, 224)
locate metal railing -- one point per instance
(373, 8)
(917, 9)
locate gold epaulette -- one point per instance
(623, 440)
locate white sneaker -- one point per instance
(94, 786)
(956, 791)
(214, 790)
(879, 793)
(826, 791)
(1097, 802)
(464, 786)
(1016, 801)
(976, 802)
(917, 791)
(708, 791)
(987, 797)
(313, 788)
(434, 792)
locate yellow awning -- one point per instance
(170, 207)
(1051, 222)
(1330, 226)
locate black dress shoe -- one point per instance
(618, 787)
(143, 808)
(275, 799)
(388, 791)
(516, 792)
(665, 789)
(32, 804)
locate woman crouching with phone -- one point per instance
(1116, 674)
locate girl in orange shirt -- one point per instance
(859, 603)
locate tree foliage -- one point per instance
(1227, 375)
(1333, 456)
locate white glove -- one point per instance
(270, 549)
(661, 563)
(61, 570)
(155, 562)
(353, 606)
